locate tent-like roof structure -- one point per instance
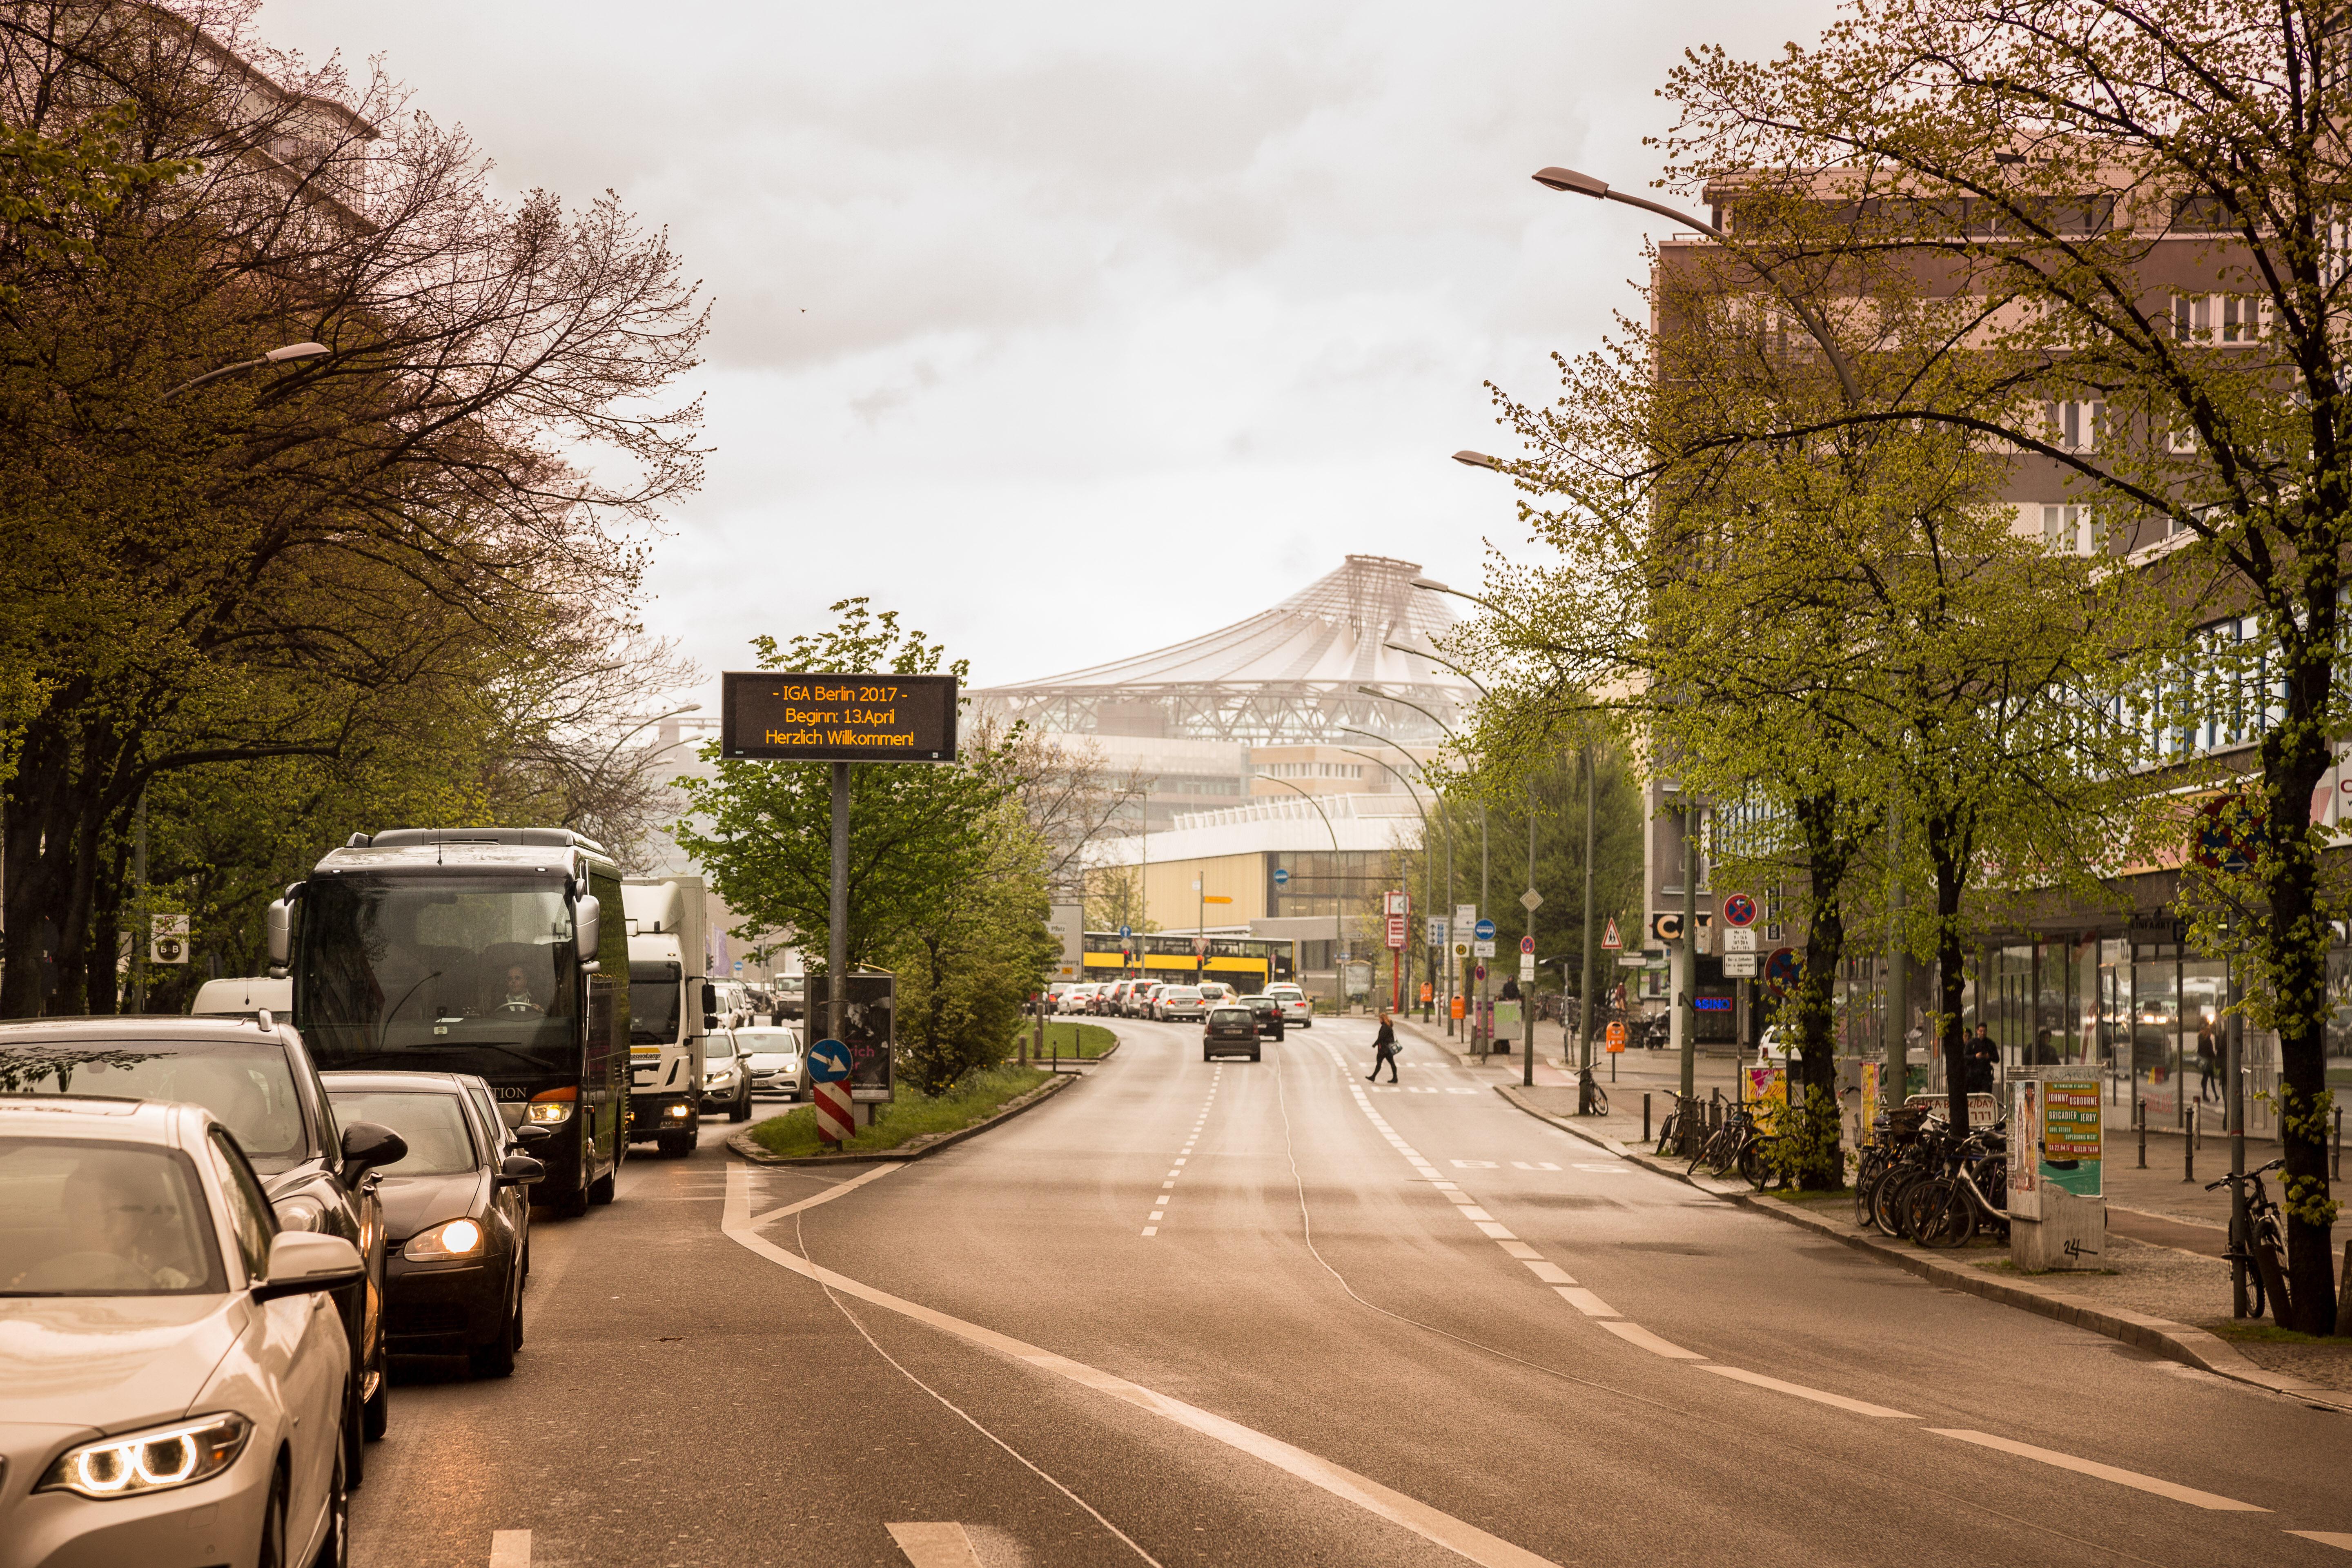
(1289, 674)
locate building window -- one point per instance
(2070, 529)
(2076, 424)
(1310, 770)
(2220, 318)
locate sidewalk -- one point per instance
(2170, 1300)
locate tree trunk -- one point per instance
(1948, 851)
(2295, 755)
(1815, 1115)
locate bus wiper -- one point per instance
(394, 1010)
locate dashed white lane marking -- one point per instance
(1636, 1334)
(935, 1545)
(2337, 1539)
(1550, 1273)
(511, 1548)
(1859, 1407)
(1431, 1524)
(1184, 1155)
(2121, 1476)
(1585, 1301)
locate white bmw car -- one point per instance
(172, 1366)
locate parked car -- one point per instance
(255, 1079)
(243, 998)
(457, 1211)
(160, 1328)
(1296, 1008)
(726, 1080)
(1229, 1031)
(1173, 1002)
(1267, 1012)
(772, 1059)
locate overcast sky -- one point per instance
(1071, 330)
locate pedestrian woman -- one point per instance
(2209, 1062)
(1384, 1052)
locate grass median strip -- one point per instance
(1083, 1042)
(978, 1097)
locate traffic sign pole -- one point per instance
(836, 937)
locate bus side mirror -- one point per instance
(587, 921)
(280, 932)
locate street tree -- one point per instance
(2038, 155)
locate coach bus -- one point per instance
(496, 950)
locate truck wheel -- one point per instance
(1254, 1056)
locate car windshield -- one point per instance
(247, 1085)
(102, 1219)
(431, 1123)
(767, 1040)
(653, 1003)
(478, 968)
(718, 1047)
(1179, 994)
(1231, 1016)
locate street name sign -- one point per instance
(815, 716)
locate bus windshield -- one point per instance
(447, 974)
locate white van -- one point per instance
(243, 998)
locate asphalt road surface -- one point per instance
(1190, 1312)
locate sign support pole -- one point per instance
(1586, 1002)
(1527, 992)
(836, 936)
(1684, 1015)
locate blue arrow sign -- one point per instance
(1126, 932)
(1281, 877)
(1486, 930)
(829, 1061)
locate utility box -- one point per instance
(2057, 1204)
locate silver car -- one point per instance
(172, 1386)
(726, 1079)
(1171, 1003)
(771, 1058)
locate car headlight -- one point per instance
(299, 1214)
(451, 1239)
(150, 1461)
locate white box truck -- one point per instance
(668, 995)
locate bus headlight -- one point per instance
(553, 1107)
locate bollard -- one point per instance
(2142, 1109)
(2189, 1148)
(2335, 1171)
(1645, 1122)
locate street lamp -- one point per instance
(1558, 179)
(1483, 880)
(275, 356)
(1403, 962)
(1339, 980)
(1428, 852)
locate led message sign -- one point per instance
(779, 716)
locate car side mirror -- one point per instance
(304, 1260)
(281, 924)
(587, 925)
(519, 1171)
(368, 1147)
(533, 1133)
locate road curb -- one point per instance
(2160, 1336)
(742, 1145)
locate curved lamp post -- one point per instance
(1428, 852)
(1338, 985)
(1484, 880)
(275, 356)
(1403, 1002)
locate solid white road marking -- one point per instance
(511, 1548)
(1598, 1168)
(1550, 1273)
(2121, 1476)
(1636, 1334)
(935, 1545)
(1742, 1374)
(826, 1196)
(2325, 1538)
(1585, 1301)
(1431, 1524)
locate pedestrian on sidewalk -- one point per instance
(1983, 1056)
(2209, 1062)
(1384, 1051)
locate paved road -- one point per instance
(1266, 1313)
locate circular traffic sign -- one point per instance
(1124, 932)
(1526, 944)
(1280, 876)
(1781, 971)
(1486, 930)
(1739, 909)
(829, 1061)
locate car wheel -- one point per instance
(355, 1432)
(376, 1411)
(335, 1550)
(600, 1191)
(742, 1109)
(496, 1358)
(272, 1550)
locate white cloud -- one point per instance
(1075, 330)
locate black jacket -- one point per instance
(1386, 1040)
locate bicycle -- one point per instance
(2266, 1232)
(1684, 1112)
(1949, 1207)
(1591, 1099)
